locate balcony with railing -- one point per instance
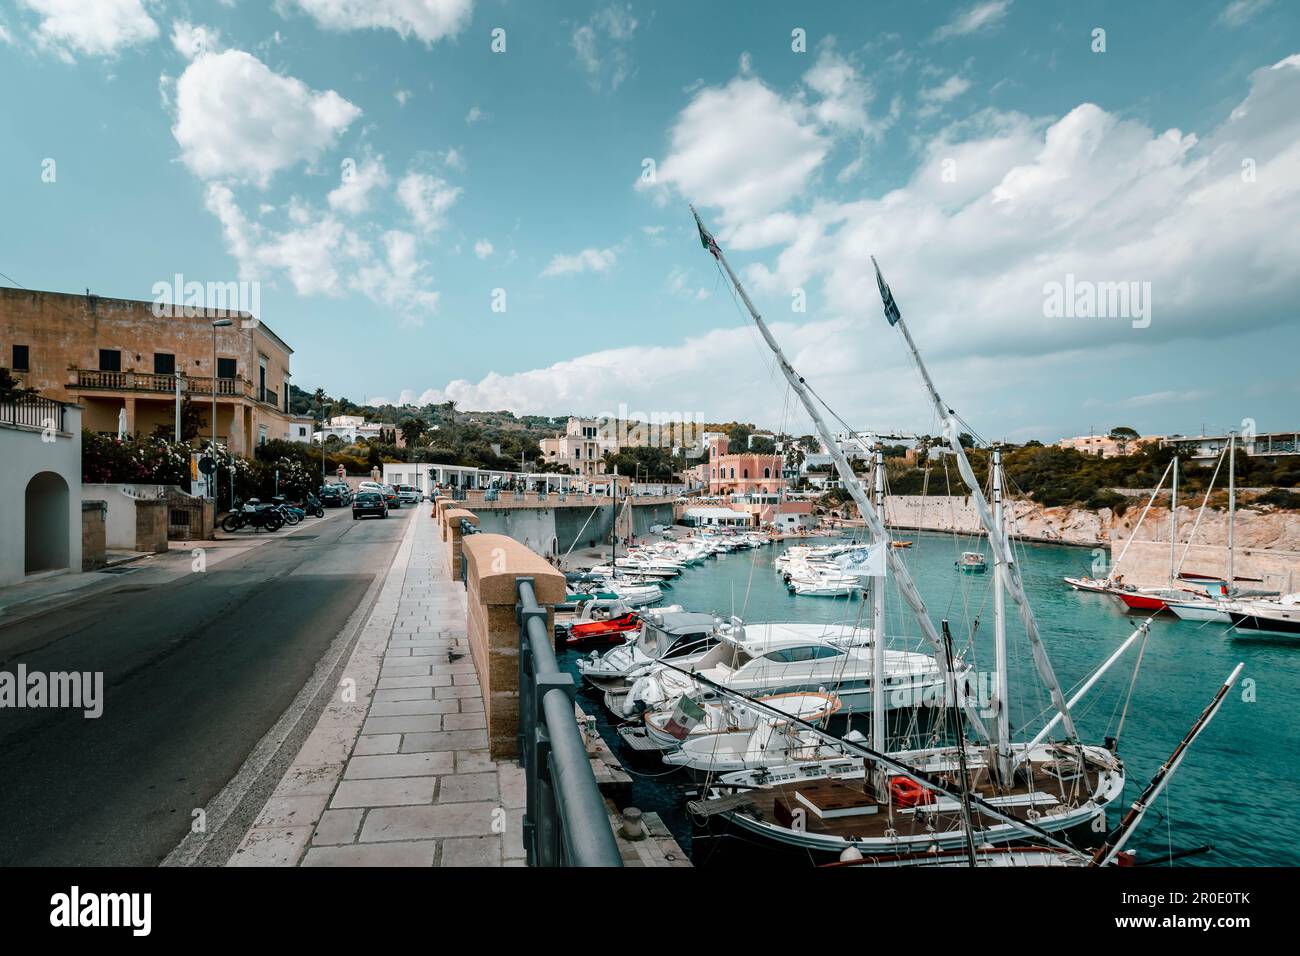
(98, 380)
(32, 411)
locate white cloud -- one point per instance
(191, 40)
(1002, 204)
(427, 20)
(305, 254)
(427, 199)
(352, 196)
(742, 148)
(601, 46)
(320, 256)
(100, 28)
(1239, 12)
(474, 115)
(844, 95)
(398, 281)
(483, 248)
(973, 19)
(402, 96)
(236, 118)
(947, 91)
(588, 260)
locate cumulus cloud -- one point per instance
(305, 252)
(483, 248)
(588, 260)
(102, 28)
(191, 40)
(427, 199)
(843, 95)
(352, 195)
(398, 280)
(238, 119)
(742, 148)
(427, 20)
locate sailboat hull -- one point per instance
(1268, 625)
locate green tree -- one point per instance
(412, 430)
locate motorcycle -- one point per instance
(291, 514)
(310, 505)
(252, 514)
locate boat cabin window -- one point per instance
(691, 644)
(808, 652)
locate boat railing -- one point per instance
(565, 821)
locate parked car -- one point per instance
(409, 494)
(335, 495)
(388, 492)
(369, 503)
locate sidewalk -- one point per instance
(396, 772)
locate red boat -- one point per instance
(611, 631)
(1147, 599)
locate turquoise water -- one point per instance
(1238, 786)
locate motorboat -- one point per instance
(784, 659)
(972, 562)
(679, 636)
(768, 742)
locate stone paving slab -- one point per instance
(399, 774)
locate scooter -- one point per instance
(254, 514)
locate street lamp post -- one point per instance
(216, 324)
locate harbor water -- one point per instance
(1238, 788)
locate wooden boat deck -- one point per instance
(841, 797)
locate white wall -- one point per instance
(25, 453)
(119, 525)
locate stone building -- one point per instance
(114, 355)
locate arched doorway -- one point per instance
(46, 524)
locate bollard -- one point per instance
(633, 828)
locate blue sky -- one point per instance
(980, 150)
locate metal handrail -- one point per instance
(565, 820)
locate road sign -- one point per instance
(207, 465)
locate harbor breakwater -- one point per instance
(1267, 542)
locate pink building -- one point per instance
(741, 474)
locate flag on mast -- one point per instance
(706, 238)
(887, 297)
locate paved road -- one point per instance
(197, 668)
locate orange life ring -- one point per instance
(905, 792)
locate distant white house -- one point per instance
(349, 429)
(40, 470)
(301, 428)
(717, 518)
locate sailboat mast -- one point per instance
(961, 756)
(906, 586)
(1000, 631)
(1232, 502)
(1001, 551)
(1173, 524)
(878, 622)
(1111, 848)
